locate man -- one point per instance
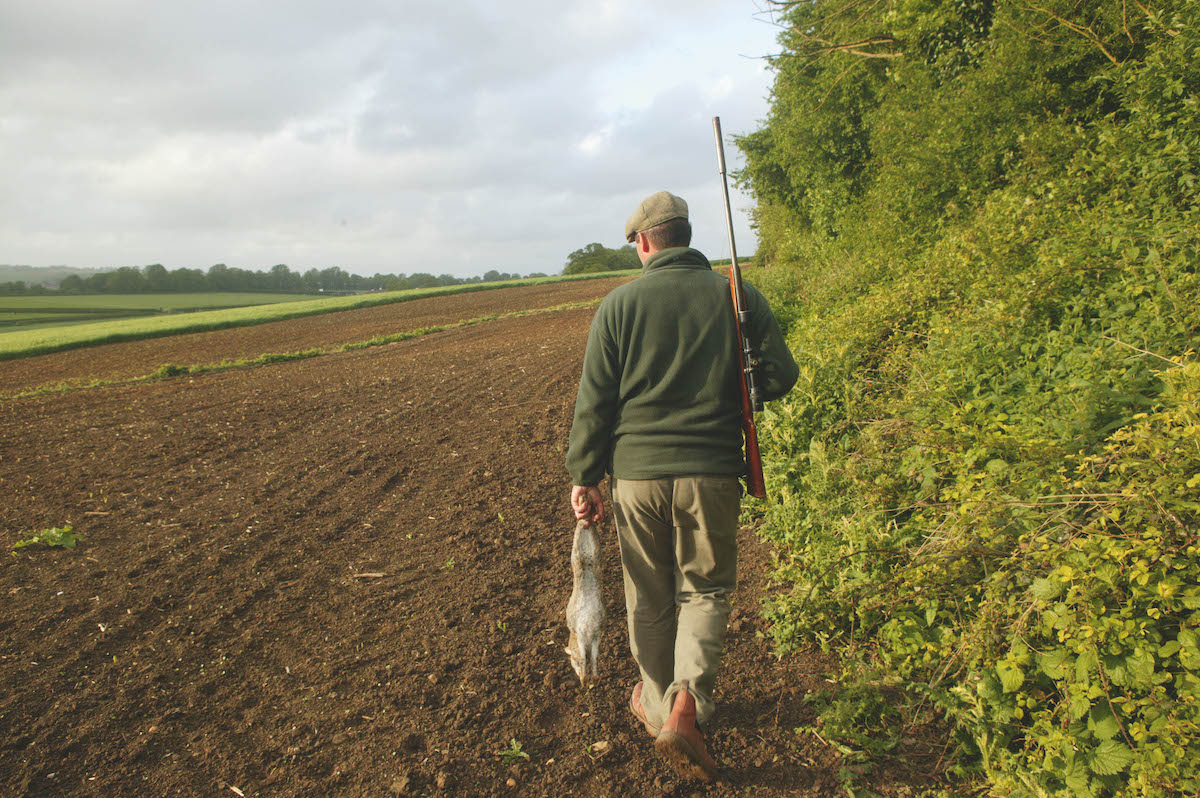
(659, 408)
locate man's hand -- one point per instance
(587, 503)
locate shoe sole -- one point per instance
(684, 759)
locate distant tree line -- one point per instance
(598, 258)
(21, 288)
(156, 278)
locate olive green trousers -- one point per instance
(678, 539)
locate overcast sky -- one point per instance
(374, 135)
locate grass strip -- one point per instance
(41, 341)
(168, 370)
(154, 302)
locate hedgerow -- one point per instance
(985, 490)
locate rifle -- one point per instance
(747, 364)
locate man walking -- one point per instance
(659, 408)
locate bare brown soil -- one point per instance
(338, 576)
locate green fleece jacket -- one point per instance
(659, 395)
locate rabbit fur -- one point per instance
(585, 609)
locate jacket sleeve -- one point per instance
(590, 443)
(777, 368)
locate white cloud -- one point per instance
(377, 135)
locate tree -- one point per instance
(311, 280)
(422, 280)
(218, 277)
(596, 257)
(280, 277)
(494, 276)
(334, 279)
(71, 283)
(157, 278)
(125, 280)
(244, 280)
(184, 279)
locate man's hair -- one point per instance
(671, 233)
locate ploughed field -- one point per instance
(138, 358)
(337, 576)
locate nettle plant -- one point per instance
(1085, 674)
(1053, 616)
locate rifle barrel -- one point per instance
(751, 399)
(735, 268)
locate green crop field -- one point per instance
(157, 302)
(146, 322)
(38, 312)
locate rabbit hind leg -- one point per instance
(595, 652)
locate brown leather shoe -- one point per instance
(639, 712)
(682, 744)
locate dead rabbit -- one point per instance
(585, 609)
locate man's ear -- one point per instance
(642, 243)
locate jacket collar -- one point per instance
(676, 257)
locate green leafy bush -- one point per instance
(984, 483)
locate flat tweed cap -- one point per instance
(654, 210)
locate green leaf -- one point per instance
(1111, 757)
(1077, 780)
(1053, 663)
(987, 688)
(63, 537)
(1141, 668)
(1085, 664)
(1079, 704)
(1103, 723)
(1011, 675)
(1107, 573)
(1189, 653)
(60, 537)
(1046, 588)
(1117, 669)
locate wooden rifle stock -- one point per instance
(747, 364)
